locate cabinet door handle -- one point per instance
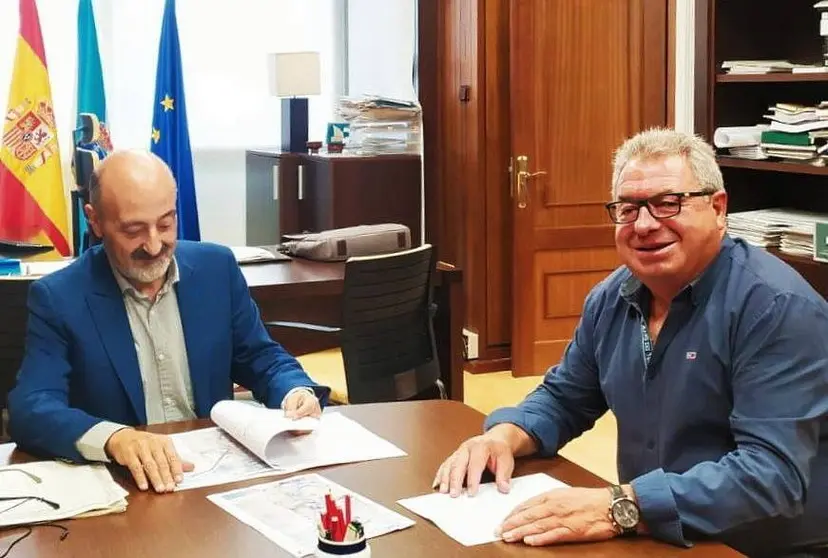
(276, 182)
(300, 181)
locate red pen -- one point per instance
(335, 527)
(347, 509)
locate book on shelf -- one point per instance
(785, 138)
(749, 67)
(788, 147)
(801, 127)
(810, 69)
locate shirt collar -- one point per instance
(633, 290)
(126, 287)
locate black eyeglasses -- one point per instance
(662, 206)
(24, 499)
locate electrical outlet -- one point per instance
(472, 344)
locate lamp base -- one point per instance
(295, 125)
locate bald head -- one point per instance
(132, 199)
(128, 172)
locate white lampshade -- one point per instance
(294, 74)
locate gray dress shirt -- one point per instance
(162, 359)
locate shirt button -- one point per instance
(169, 400)
(650, 445)
(161, 356)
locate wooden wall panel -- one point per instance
(497, 331)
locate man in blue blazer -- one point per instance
(140, 330)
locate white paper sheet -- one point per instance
(254, 442)
(473, 520)
(255, 426)
(338, 439)
(287, 511)
(218, 459)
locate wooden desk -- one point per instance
(187, 524)
(295, 290)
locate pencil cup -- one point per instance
(331, 549)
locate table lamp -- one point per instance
(294, 76)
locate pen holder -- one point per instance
(356, 549)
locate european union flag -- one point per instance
(170, 138)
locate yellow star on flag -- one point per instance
(156, 135)
(167, 103)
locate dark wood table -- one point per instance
(293, 290)
(187, 524)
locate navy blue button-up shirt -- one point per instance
(725, 432)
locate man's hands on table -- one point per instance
(557, 516)
(151, 458)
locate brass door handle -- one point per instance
(522, 180)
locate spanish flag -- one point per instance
(32, 198)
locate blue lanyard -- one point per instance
(646, 344)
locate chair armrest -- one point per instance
(302, 325)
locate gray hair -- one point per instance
(657, 143)
(93, 190)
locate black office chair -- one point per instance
(15, 249)
(386, 336)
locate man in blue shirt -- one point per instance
(713, 356)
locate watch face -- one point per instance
(625, 513)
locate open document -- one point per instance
(250, 441)
(472, 520)
(287, 511)
(53, 490)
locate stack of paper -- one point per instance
(382, 125)
(789, 230)
(741, 141)
(255, 254)
(749, 67)
(53, 490)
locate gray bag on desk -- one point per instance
(341, 244)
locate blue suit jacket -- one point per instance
(81, 367)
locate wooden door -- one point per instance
(585, 74)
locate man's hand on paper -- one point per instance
(299, 404)
(469, 461)
(148, 457)
(561, 515)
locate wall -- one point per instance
(224, 51)
(381, 43)
(684, 61)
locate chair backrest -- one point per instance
(387, 336)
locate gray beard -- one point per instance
(148, 274)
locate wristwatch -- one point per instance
(623, 512)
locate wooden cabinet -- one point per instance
(762, 30)
(345, 191)
(293, 193)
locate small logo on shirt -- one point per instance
(690, 355)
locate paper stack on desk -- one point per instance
(472, 520)
(253, 441)
(54, 490)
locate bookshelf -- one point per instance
(770, 78)
(756, 30)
